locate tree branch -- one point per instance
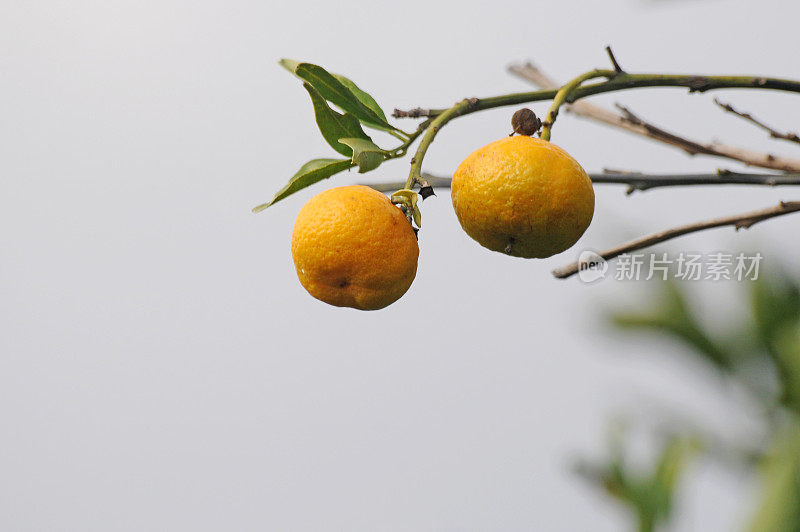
(791, 137)
(739, 221)
(574, 91)
(626, 81)
(640, 182)
(634, 124)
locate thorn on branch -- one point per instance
(425, 189)
(614, 62)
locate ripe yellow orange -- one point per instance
(523, 196)
(353, 248)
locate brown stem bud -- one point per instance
(525, 122)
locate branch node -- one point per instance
(417, 112)
(698, 84)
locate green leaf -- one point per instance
(779, 510)
(362, 96)
(312, 172)
(333, 125)
(775, 305)
(785, 352)
(670, 466)
(366, 154)
(346, 95)
(674, 315)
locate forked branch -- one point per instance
(628, 121)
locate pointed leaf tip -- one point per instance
(289, 64)
(312, 172)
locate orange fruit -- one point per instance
(523, 196)
(353, 248)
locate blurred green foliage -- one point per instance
(766, 340)
(648, 494)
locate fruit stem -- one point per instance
(564, 92)
(463, 107)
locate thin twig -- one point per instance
(714, 149)
(634, 124)
(739, 221)
(625, 81)
(774, 133)
(417, 112)
(639, 182)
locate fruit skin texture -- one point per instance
(523, 196)
(353, 248)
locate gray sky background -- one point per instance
(161, 368)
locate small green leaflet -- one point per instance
(312, 172)
(410, 199)
(366, 154)
(342, 92)
(335, 126)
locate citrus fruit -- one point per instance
(353, 248)
(523, 196)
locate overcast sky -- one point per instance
(161, 368)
